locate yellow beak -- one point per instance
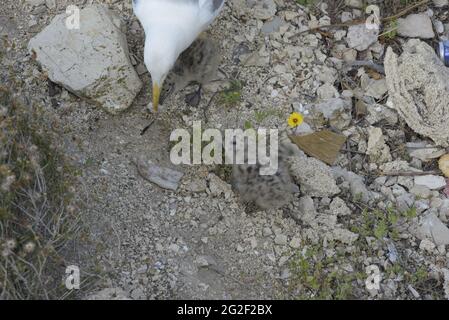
(156, 95)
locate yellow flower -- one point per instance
(295, 120)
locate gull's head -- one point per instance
(160, 56)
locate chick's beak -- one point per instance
(156, 96)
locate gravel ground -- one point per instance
(202, 242)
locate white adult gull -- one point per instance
(170, 27)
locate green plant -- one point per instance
(231, 95)
(381, 224)
(315, 275)
(262, 115)
(391, 30)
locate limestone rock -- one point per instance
(360, 37)
(431, 181)
(92, 61)
(307, 209)
(419, 89)
(433, 229)
(378, 150)
(336, 111)
(416, 26)
(165, 178)
(314, 177)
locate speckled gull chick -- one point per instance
(170, 27)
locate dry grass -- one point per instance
(37, 212)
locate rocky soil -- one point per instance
(378, 215)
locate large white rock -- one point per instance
(416, 26)
(360, 37)
(314, 177)
(419, 89)
(92, 61)
(430, 181)
(432, 228)
(378, 150)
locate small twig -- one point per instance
(370, 64)
(409, 173)
(144, 130)
(405, 11)
(388, 31)
(351, 151)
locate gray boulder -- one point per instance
(92, 61)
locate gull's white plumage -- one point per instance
(170, 28)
